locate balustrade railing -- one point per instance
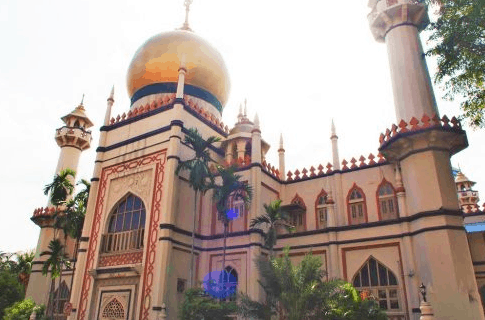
(122, 241)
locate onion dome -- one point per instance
(154, 69)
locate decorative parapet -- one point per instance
(73, 136)
(239, 162)
(44, 212)
(416, 125)
(363, 162)
(166, 101)
(161, 102)
(268, 168)
(467, 209)
(206, 115)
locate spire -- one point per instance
(185, 26)
(281, 141)
(245, 108)
(111, 100)
(334, 131)
(82, 100)
(256, 121)
(112, 94)
(334, 138)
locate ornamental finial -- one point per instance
(187, 4)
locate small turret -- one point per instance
(335, 156)
(467, 197)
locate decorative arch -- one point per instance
(298, 219)
(321, 212)
(376, 281)
(113, 310)
(61, 295)
(386, 199)
(125, 227)
(232, 282)
(356, 205)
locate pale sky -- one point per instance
(298, 63)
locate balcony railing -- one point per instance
(122, 241)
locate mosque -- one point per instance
(387, 222)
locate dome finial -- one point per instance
(82, 100)
(185, 26)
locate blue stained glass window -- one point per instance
(128, 215)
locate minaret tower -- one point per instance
(467, 197)
(423, 149)
(335, 157)
(73, 138)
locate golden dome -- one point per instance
(154, 68)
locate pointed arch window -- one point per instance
(61, 297)
(126, 226)
(356, 205)
(387, 201)
(321, 210)
(375, 281)
(231, 283)
(113, 310)
(298, 216)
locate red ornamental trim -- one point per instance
(159, 158)
(121, 259)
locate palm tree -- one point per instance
(57, 260)
(273, 218)
(230, 189)
(61, 187)
(200, 176)
(24, 267)
(297, 292)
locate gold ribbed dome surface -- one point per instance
(156, 63)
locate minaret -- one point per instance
(110, 102)
(281, 153)
(467, 197)
(335, 157)
(398, 23)
(423, 153)
(72, 138)
(256, 141)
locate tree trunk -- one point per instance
(191, 272)
(224, 257)
(51, 297)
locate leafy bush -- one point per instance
(197, 306)
(21, 310)
(11, 290)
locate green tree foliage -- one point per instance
(60, 187)
(198, 305)
(200, 176)
(299, 292)
(23, 309)
(458, 39)
(11, 290)
(273, 218)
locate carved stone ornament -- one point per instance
(138, 183)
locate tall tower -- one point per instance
(422, 150)
(73, 138)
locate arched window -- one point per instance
(321, 212)
(61, 296)
(357, 210)
(387, 201)
(298, 216)
(376, 281)
(76, 124)
(126, 226)
(113, 310)
(231, 283)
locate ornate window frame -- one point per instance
(321, 210)
(298, 220)
(356, 207)
(387, 204)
